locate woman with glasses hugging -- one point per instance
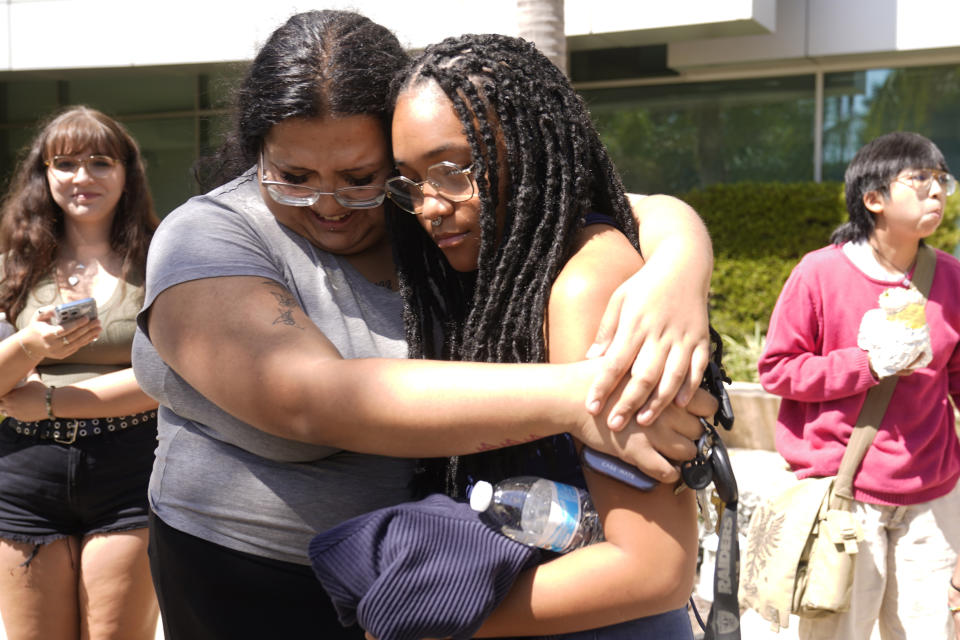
(848, 318)
(272, 335)
(77, 441)
(521, 232)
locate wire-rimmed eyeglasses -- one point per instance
(97, 165)
(921, 180)
(447, 180)
(298, 195)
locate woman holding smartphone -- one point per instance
(77, 435)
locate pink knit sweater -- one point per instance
(812, 361)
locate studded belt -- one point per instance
(66, 431)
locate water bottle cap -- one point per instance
(481, 496)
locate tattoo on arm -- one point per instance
(286, 305)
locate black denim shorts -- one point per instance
(96, 484)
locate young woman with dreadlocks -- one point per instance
(272, 336)
(522, 233)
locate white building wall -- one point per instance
(59, 34)
(818, 31)
(614, 23)
(55, 34)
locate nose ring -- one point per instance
(436, 222)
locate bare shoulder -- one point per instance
(657, 203)
(602, 260)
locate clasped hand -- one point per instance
(656, 334)
(654, 448)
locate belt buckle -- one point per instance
(71, 438)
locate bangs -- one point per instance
(83, 132)
(925, 157)
(904, 150)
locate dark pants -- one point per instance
(209, 592)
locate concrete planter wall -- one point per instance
(755, 416)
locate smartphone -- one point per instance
(616, 469)
(85, 308)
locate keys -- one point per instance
(704, 500)
(697, 473)
(712, 464)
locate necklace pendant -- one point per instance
(74, 278)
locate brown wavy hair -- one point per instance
(31, 223)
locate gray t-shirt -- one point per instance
(216, 477)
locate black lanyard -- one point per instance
(712, 465)
(723, 623)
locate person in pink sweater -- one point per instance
(847, 317)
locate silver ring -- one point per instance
(436, 222)
(65, 341)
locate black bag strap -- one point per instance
(878, 397)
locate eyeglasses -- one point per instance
(98, 166)
(447, 180)
(296, 195)
(920, 181)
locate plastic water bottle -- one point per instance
(539, 512)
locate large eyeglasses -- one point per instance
(445, 178)
(98, 166)
(296, 195)
(920, 181)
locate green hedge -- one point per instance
(761, 230)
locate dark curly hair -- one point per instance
(317, 64)
(31, 223)
(535, 148)
(873, 168)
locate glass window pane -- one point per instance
(125, 92)
(674, 137)
(168, 150)
(24, 99)
(861, 105)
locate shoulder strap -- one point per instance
(878, 397)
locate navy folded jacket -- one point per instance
(428, 569)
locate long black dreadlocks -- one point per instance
(536, 154)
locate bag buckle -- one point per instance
(842, 530)
(70, 435)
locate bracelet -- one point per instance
(24, 348)
(955, 587)
(954, 609)
(48, 401)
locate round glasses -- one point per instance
(920, 181)
(296, 195)
(445, 178)
(97, 166)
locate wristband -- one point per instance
(48, 402)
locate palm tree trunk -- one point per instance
(541, 22)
